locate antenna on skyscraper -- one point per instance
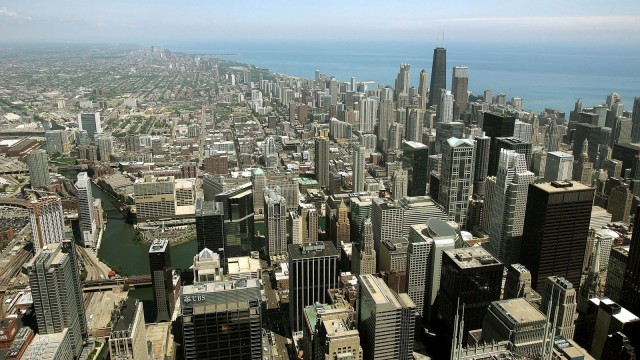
(442, 37)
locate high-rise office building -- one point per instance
(155, 197)
(128, 338)
(561, 294)
(238, 219)
(222, 320)
(85, 210)
(319, 339)
(210, 232)
(516, 321)
(438, 75)
(132, 142)
(635, 121)
(47, 222)
(309, 215)
(445, 107)
(90, 122)
(403, 80)
(386, 320)
(495, 126)
(630, 297)
(472, 278)
(523, 131)
(313, 269)
(57, 295)
(161, 279)
(358, 168)
(259, 180)
(615, 272)
(340, 226)
(422, 90)
(368, 115)
(483, 146)
(400, 184)
(321, 163)
(511, 143)
(105, 147)
(552, 137)
(582, 168)
(415, 119)
(57, 141)
(556, 227)
(387, 221)
(460, 90)
(517, 282)
(415, 160)
(364, 255)
(394, 139)
(385, 119)
(559, 166)
(456, 178)
(505, 204)
(38, 164)
(275, 210)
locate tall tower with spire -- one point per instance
(583, 169)
(438, 74)
(364, 255)
(551, 137)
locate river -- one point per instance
(119, 248)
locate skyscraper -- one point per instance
(128, 338)
(47, 222)
(313, 269)
(469, 277)
(321, 161)
(238, 219)
(630, 297)
(57, 296)
(422, 90)
(495, 126)
(222, 320)
(90, 122)
(161, 279)
(85, 210)
(387, 222)
(556, 227)
(403, 81)
(460, 89)
(38, 164)
(456, 178)
(483, 146)
(341, 227)
(438, 75)
(400, 184)
(559, 166)
(505, 204)
(445, 107)
(415, 160)
(364, 254)
(635, 121)
(210, 231)
(275, 218)
(561, 293)
(414, 124)
(368, 115)
(358, 168)
(431, 240)
(386, 320)
(582, 168)
(552, 137)
(385, 120)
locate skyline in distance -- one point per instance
(164, 22)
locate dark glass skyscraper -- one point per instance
(238, 219)
(556, 228)
(495, 126)
(438, 75)
(161, 279)
(313, 269)
(416, 161)
(635, 121)
(210, 231)
(630, 298)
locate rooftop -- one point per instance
(519, 311)
(473, 257)
(158, 245)
(562, 186)
(312, 250)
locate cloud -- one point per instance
(4, 12)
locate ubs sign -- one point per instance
(189, 299)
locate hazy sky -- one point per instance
(171, 22)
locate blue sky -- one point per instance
(171, 22)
